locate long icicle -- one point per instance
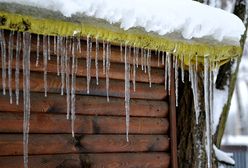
(62, 65)
(134, 68)
(88, 60)
(165, 72)
(176, 79)
(26, 94)
(48, 48)
(96, 60)
(3, 53)
(127, 89)
(103, 57)
(142, 58)
(108, 55)
(10, 61)
(45, 63)
(37, 50)
(169, 71)
(182, 67)
(67, 79)
(73, 85)
(58, 54)
(17, 66)
(149, 67)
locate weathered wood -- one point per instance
(50, 123)
(88, 105)
(116, 71)
(116, 87)
(117, 160)
(12, 144)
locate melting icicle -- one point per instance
(121, 52)
(103, 57)
(134, 68)
(169, 71)
(3, 53)
(10, 60)
(108, 55)
(142, 59)
(207, 113)
(79, 45)
(137, 57)
(54, 45)
(127, 89)
(45, 63)
(62, 63)
(37, 50)
(96, 60)
(17, 69)
(145, 59)
(48, 48)
(176, 79)
(67, 68)
(26, 94)
(182, 68)
(58, 54)
(149, 67)
(73, 85)
(88, 62)
(165, 72)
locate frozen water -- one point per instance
(37, 50)
(45, 63)
(88, 62)
(96, 61)
(10, 61)
(17, 66)
(3, 53)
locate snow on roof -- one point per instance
(188, 18)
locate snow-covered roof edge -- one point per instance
(55, 24)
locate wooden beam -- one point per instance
(87, 105)
(50, 123)
(116, 88)
(120, 160)
(39, 144)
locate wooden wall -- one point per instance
(99, 127)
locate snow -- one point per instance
(222, 156)
(235, 140)
(188, 18)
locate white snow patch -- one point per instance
(222, 156)
(189, 18)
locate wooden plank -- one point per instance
(116, 87)
(88, 105)
(117, 70)
(117, 160)
(50, 123)
(39, 144)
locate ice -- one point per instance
(103, 57)
(62, 65)
(48, 48)
(96, 60)
(163, 62)
(121, 48)
(17, 66)
(26, 94)
(142, 58)
(149, 67)
(158, 55)
(54, 44)
(73, 87)
(10, 61)
(165, 72)
(67, 69)
(37, 50)
(88, 62)
(45, 63)
(169, 71)
(145, 60)
(176, 79)
(207, 113)
(134, 68)
(137, 57)
(182, 67)
(79, 45)
(108, 55)
(58, 54)
(223, 156)
(3, 53)
(127, 88)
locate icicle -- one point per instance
(45, 63)
(17, 69)
(73, 85)
(207, 113)
(121, 52)
(37, 50)
(96, 60)
(108, 54)
(190, 70)
(182, 68)
(79, 45)
(3, 53)
(158, 55)
(26, 94)
(88, 62)
(10, 60)
(48, 47)
(142, 59)
(58, 54)
(62, 63)
(145, 59)
(127, 89)
(149, 67)
(176, 79)
(163, 58)
(67, 68)
(169, 71)
(134, 69)
(165, 72)
(137, 57)
(54, 44)
(103, 57)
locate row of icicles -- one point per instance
(67, 65)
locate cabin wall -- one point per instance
(100, 128)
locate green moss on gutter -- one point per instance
(218, 53)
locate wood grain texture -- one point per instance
(117, 160)
(116, 87)
(88, 105)
(50, 123)
(39, 144)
